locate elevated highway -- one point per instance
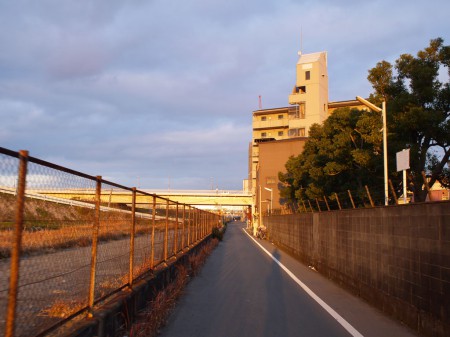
(207, 197)
(191, 197)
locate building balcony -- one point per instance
(270, 124)
(296, 98)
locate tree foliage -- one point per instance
(418, 103)
(346, 151)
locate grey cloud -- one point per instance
(159, 88)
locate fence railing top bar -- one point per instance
(60, 168)
(9, 152)
(117, 185)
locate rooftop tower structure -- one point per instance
(310, 93)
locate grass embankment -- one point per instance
(50, 226)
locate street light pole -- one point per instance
(385, 162)
(386, 196)
(271, 198)
(260, 209)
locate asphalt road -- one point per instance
(242, 291)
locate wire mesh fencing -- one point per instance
(70, 240)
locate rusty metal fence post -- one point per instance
(202, 224)
(337, 199)
(326, 202)
(95, 229)
(369, 196)
(351, 198)
(17, 244)
(193, 234)
(189, 226)
(205, 232)
(184, 227)
(132, 232)
(200, 227)
(205, 222)
(393, 192)
(210, 222)
(152, 240)
(196, 224)
(166, 233)
(175, 235)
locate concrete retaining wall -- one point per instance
(397, 258)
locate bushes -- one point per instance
(218, 233)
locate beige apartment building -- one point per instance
(279, 133)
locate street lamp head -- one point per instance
(268, 189)
(368, 104)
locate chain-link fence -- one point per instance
(70, 240)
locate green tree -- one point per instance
(345, 152)
(418, 104)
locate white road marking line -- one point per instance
(346, 325)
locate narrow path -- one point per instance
(241, 291)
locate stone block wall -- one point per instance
(397, 257)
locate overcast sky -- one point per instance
(160, 93)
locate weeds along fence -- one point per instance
(69, 240)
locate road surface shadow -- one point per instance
(275, 322)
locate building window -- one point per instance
(263, 134)
(297, 132)
(297, 111)
(271, 180)
(263, 118)
(307, 75)
(280, 116)
(301, 110)
(293, 133)
(280, 133)
(300, 90)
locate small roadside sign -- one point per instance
(403, 160)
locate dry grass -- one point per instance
(150, 321)
(112, 284)
(49, 226)
(48, 240)
(62, 308)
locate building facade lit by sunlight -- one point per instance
(281, 132)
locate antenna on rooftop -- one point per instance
(260, 102)
(301, 40)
